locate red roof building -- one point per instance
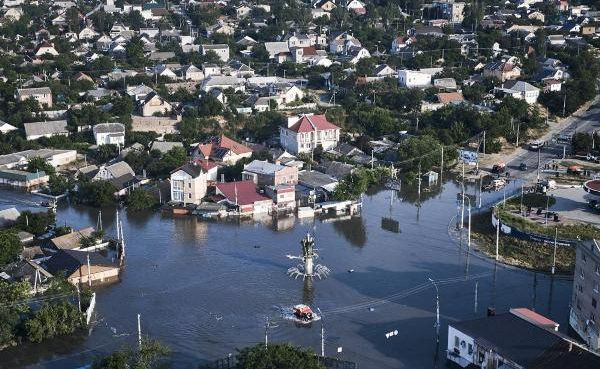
(305, 133)
(222, 149)
(244, 195)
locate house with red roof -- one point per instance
(305, 133)
(210, 168)
(223, 150)
(244, 196)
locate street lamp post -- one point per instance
(437, 310)
(555, 244)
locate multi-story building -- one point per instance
(43, 95)
(264, 173)
(188, 184)
(413, 78)
(306, 133)
(451, 10)
(586, 294)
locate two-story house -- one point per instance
(109, 134)
(222, 149)
(43, 95)
(264, 173)
(305, 133)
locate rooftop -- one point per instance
(240, 192)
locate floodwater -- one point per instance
(208, 288)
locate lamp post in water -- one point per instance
(437, 310)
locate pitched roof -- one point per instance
(109, 128)
(46, 128)
(309, 123)
(120, 169)
(193, 169)
(72, 240)
(240, 192)
(71, 260)
(450, 97)
(206, 165)
(263, 167)
(218, 146)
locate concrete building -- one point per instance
(413, 78)
(307, 132)
(519, 90)
(263, 173)
(188, 184)
(223, 150)
(53, 157)
(21, 179)
(74, 264)
(43, 95)
(520, 338)
(222, 51)
(36, 130)
(451, 10)
(586, 294)
(109, 134)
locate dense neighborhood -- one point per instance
(240, 111)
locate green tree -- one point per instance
(10, 247)
(37, 164)
(151, 355)
(140, 199)
(280, 356)
(58, 185)
(96, 193)
(36, 223)
(106, 152)
(13, 297)
(53, 319)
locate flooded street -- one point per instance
(207, 288)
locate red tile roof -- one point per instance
(450, 97)
(309, 123)
(222, 142)
(206, 165)
(244, 191)
(308, 51)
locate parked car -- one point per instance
(523, 166)
(536, 145)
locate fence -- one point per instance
(327, 362)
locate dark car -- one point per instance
(523, 166)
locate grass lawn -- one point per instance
(530, 255)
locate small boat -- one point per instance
(303, 312)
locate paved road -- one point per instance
(586, 121)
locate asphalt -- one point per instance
(586, 121)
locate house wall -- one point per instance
(155, 106)
(109, 139)
(192, 189)
(40, 98)
(295, 143)
(461, 347)
(28, 185)
(584, 316)
(412, 79)
(63, 158)
(98, 275)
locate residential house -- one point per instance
(222, 149)
(222, 51)
(223, 83)
(8, 217)
(5, 127)
(74, 265)
(357, 53)
(36, 130)
(263, 173)
(451, 10)
(502, 71)
(188, 183)
(307, 132)
(88, 33)
(519, 90)
(314, 186)
(445, 84)
(520, 338)
(586, 294)
(154, 104)
(556, 40)
(165, 146)
(53, 157)
(356, 6)
(23, 180)
(73, 240)
(139, 92)
(284, 196)
(326, 5)
(210, 168)
(335, 169)
(46, 48)
(109, 134)
(276, 48)
(384, 70)
(120, 175)
(446, 98)
(413, 78)
(192, 73)
(244, 196)
(401, 42)
(588, 29)
(43, 95)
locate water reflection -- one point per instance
(353, 230)
(308, 292)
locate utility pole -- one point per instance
(89, 271)
(469, 230)
(372, 159)
(565, 103)
(117, 223)
(437, 310)
(480, 190)
(483, 142)
(555, 244)
(521, 206)
(539, 163)
(139, 331)
(497, 232)
(462, 206)
(476, 288)
(322, 339)
(442, 165)
(518, 129)
(78, 297)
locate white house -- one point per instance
(305, 133)
(46, 48)
(222, 51)
(520, 90)
(188, 184)
(153, 104)
(413, 78)
(109, 134)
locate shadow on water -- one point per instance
(353, 230)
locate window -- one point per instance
(592, 317)
(470, 349)
(189, 184)
(593, 302)
(581, 274)
(456, 341)
(189, 195)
